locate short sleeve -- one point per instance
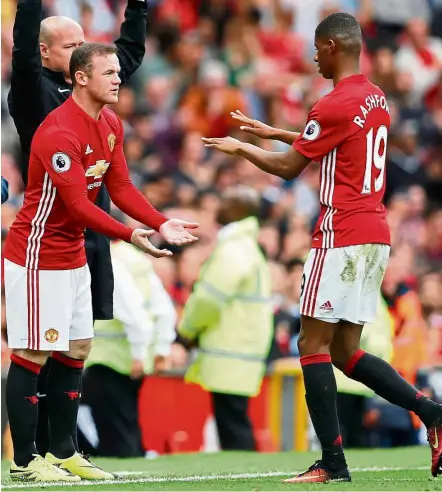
(327, 126)
(60, 155)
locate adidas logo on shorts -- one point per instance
(326, 306)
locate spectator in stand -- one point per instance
(390, 18)
(206, 106)
(420, 56)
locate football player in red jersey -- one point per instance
(78, 147)
(346, 133)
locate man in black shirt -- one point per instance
(40, 83)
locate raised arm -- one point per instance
(26, 62)
(131, 43)
(287, 165)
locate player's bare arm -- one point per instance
(287, 165)
(261, 130)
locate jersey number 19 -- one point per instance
(375, 145)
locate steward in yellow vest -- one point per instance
(229, 314)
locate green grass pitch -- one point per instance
(389, 469)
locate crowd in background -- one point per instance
(206, 58)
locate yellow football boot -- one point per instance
(40, 470)
(79, 465)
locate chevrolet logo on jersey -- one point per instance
(98, 169)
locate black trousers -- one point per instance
(351, 409)
(234, 426)
(113, 401)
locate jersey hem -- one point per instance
(57, 267)
(384, 243)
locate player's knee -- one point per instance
(79, 349)
(37, 356)
(340, 356)
(308, 345)
(315, 336)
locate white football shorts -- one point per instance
(344, 283)
(47, 308)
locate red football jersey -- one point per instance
(346, 133)
(71, 155)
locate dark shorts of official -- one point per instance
(102, 277)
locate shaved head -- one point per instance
(59, 36)
(55, 25)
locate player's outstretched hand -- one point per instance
(255, 127)
(140, 240)
(176, 231)
(228, 145)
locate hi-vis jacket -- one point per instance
(145, 317)
(230, 313)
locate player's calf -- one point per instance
(320, 389)
(22, 403)
(63, 400)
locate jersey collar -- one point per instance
(75, 107)
(359, 77)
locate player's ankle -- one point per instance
(334, 461)
(428, 411)
(23, 458)
(62, 452)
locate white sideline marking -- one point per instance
(127, 473)
(193, 478)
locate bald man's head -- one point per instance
(237, 203)
(59, 36)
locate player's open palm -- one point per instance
(177, 231)
(255, 127)
(140, 239)
(228, 145)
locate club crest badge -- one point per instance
(111, 139)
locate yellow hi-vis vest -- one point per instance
(230, 313)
